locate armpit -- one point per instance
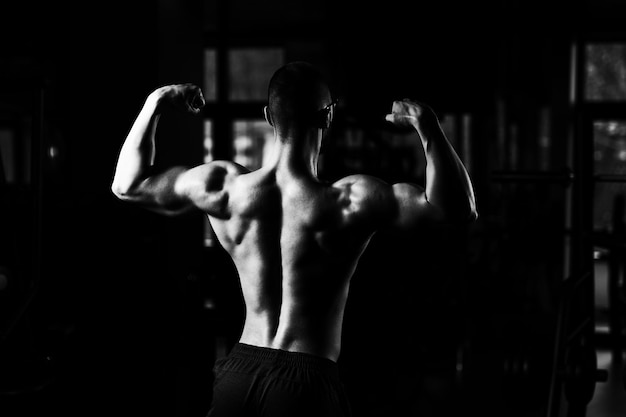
(217, 204)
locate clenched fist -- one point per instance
(187, 97)
(408, 113)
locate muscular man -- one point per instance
(294, 239)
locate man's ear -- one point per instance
(268, 116)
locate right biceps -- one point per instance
(412, 207)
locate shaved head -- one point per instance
(297, 92)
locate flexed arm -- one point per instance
(449, 192)
(133, 180)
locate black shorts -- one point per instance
(255, 381)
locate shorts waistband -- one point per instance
(299, 359)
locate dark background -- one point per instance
(104, 312)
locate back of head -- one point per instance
(296, 93)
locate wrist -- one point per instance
(155, 99)
(427, 120)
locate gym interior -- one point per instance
(108, 309)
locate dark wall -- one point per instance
(97, 333)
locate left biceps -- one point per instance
(204, 187)
(165, 192)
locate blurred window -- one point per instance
(209, 89)
(252, 142)
(605, 72)
(609, 139)
(249, 72)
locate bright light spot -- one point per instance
(209, 304)
(53, 152)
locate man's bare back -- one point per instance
(295, 243)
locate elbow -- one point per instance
(120, 191)
(471, 213)
(473, 216)
(119, 194)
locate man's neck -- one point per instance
(298, 156)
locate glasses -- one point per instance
(330, 106)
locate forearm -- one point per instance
(448, 185)
(138, 151)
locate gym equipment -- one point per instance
(581, 373)
(528, 377)
(574, 367)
